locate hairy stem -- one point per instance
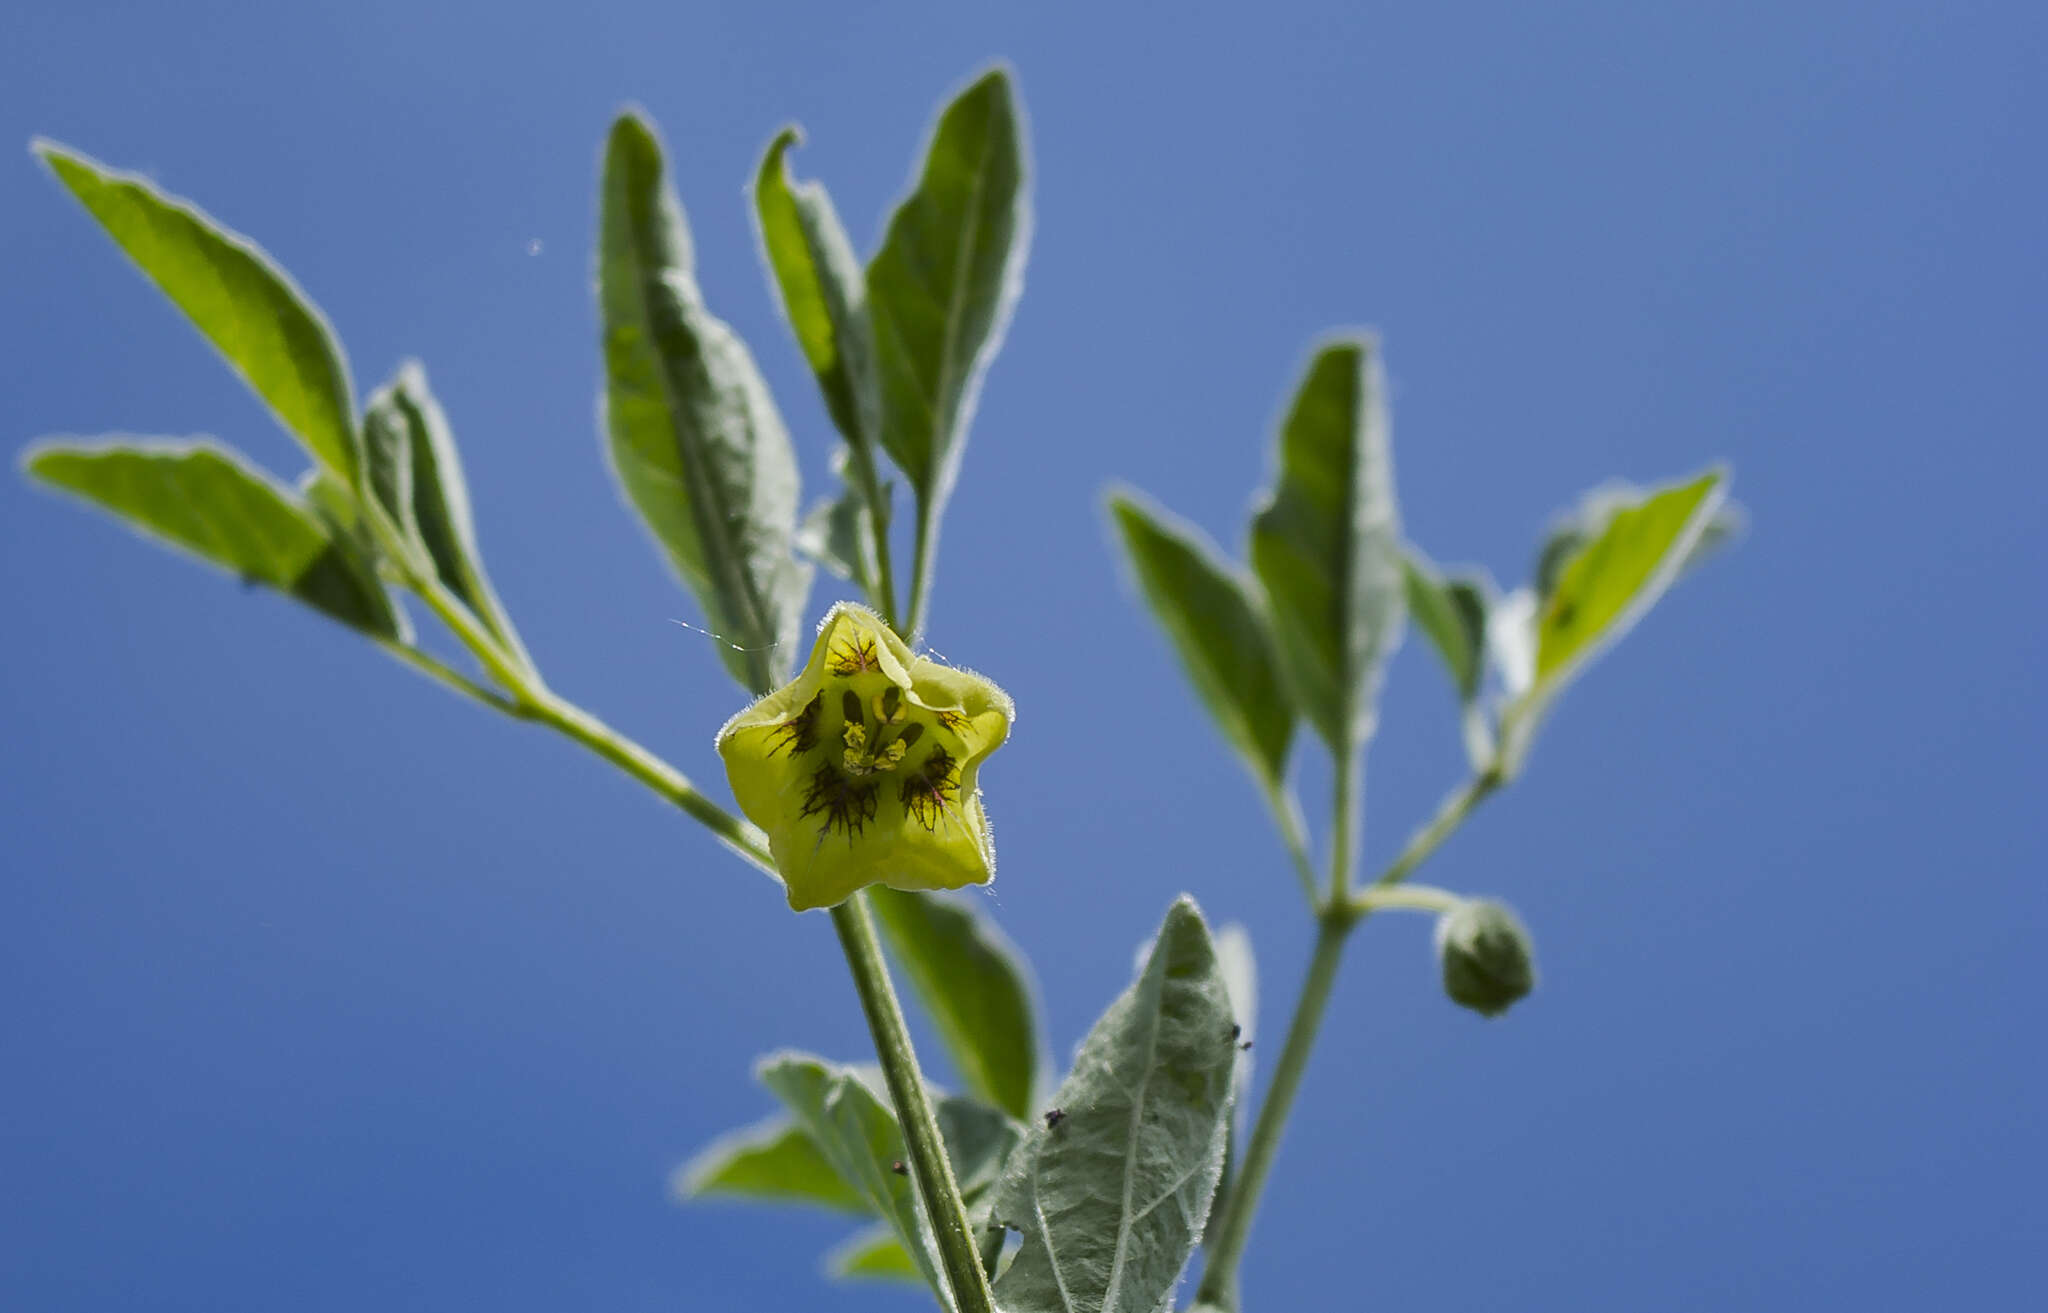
(1293, 833)
(1450, 814)
(1408, 897)
(543, 706)
(934, 1174)
(1229, 1231)
(921, 568)
(1348, 806)
(870, 486)
(1227, 1235)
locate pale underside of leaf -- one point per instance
(693, 435)
(1112, 1197)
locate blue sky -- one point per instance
(320, 990)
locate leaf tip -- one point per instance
(633, 130)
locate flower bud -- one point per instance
(1488, 959)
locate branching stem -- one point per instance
(1229, 1231)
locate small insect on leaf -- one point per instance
(1054, 1116)
(898, 1168)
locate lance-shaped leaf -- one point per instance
(205, 499)
(819, 283)
(1604, 589)
(1571, 531)
(975, 986)
(416, 475)
(773, 1162)
(941, 288)
(260, 322)
(693, 434)
(858, 1135)
(1218, 626)
(1112, 1196)
(1325, 543)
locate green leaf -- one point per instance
(692, 433)
(872, 1255)
(1218, 626)
(941, 288)
(1605, 588)
(975, 986)
(1570, 532)
(252, 312)
(1452, 614)
(207, 500)
(859, 1137)
(821, 289)
(1112, 1197)
(416, 475)
(774, 1162)
(1325, 543)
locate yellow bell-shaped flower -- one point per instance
(862, 770)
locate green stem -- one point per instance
(1227, 1235)
(531, 699)
(921, 568)
(1229, 1231)
(1450, 814)
(934, 1174)
(436, 669)
(870, 486)
(1287, 816)
(538, 704)
(1408, 897)
(1349, 804)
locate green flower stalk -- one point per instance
(862, 770)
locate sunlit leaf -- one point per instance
(252, 312)
(1603, 589)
